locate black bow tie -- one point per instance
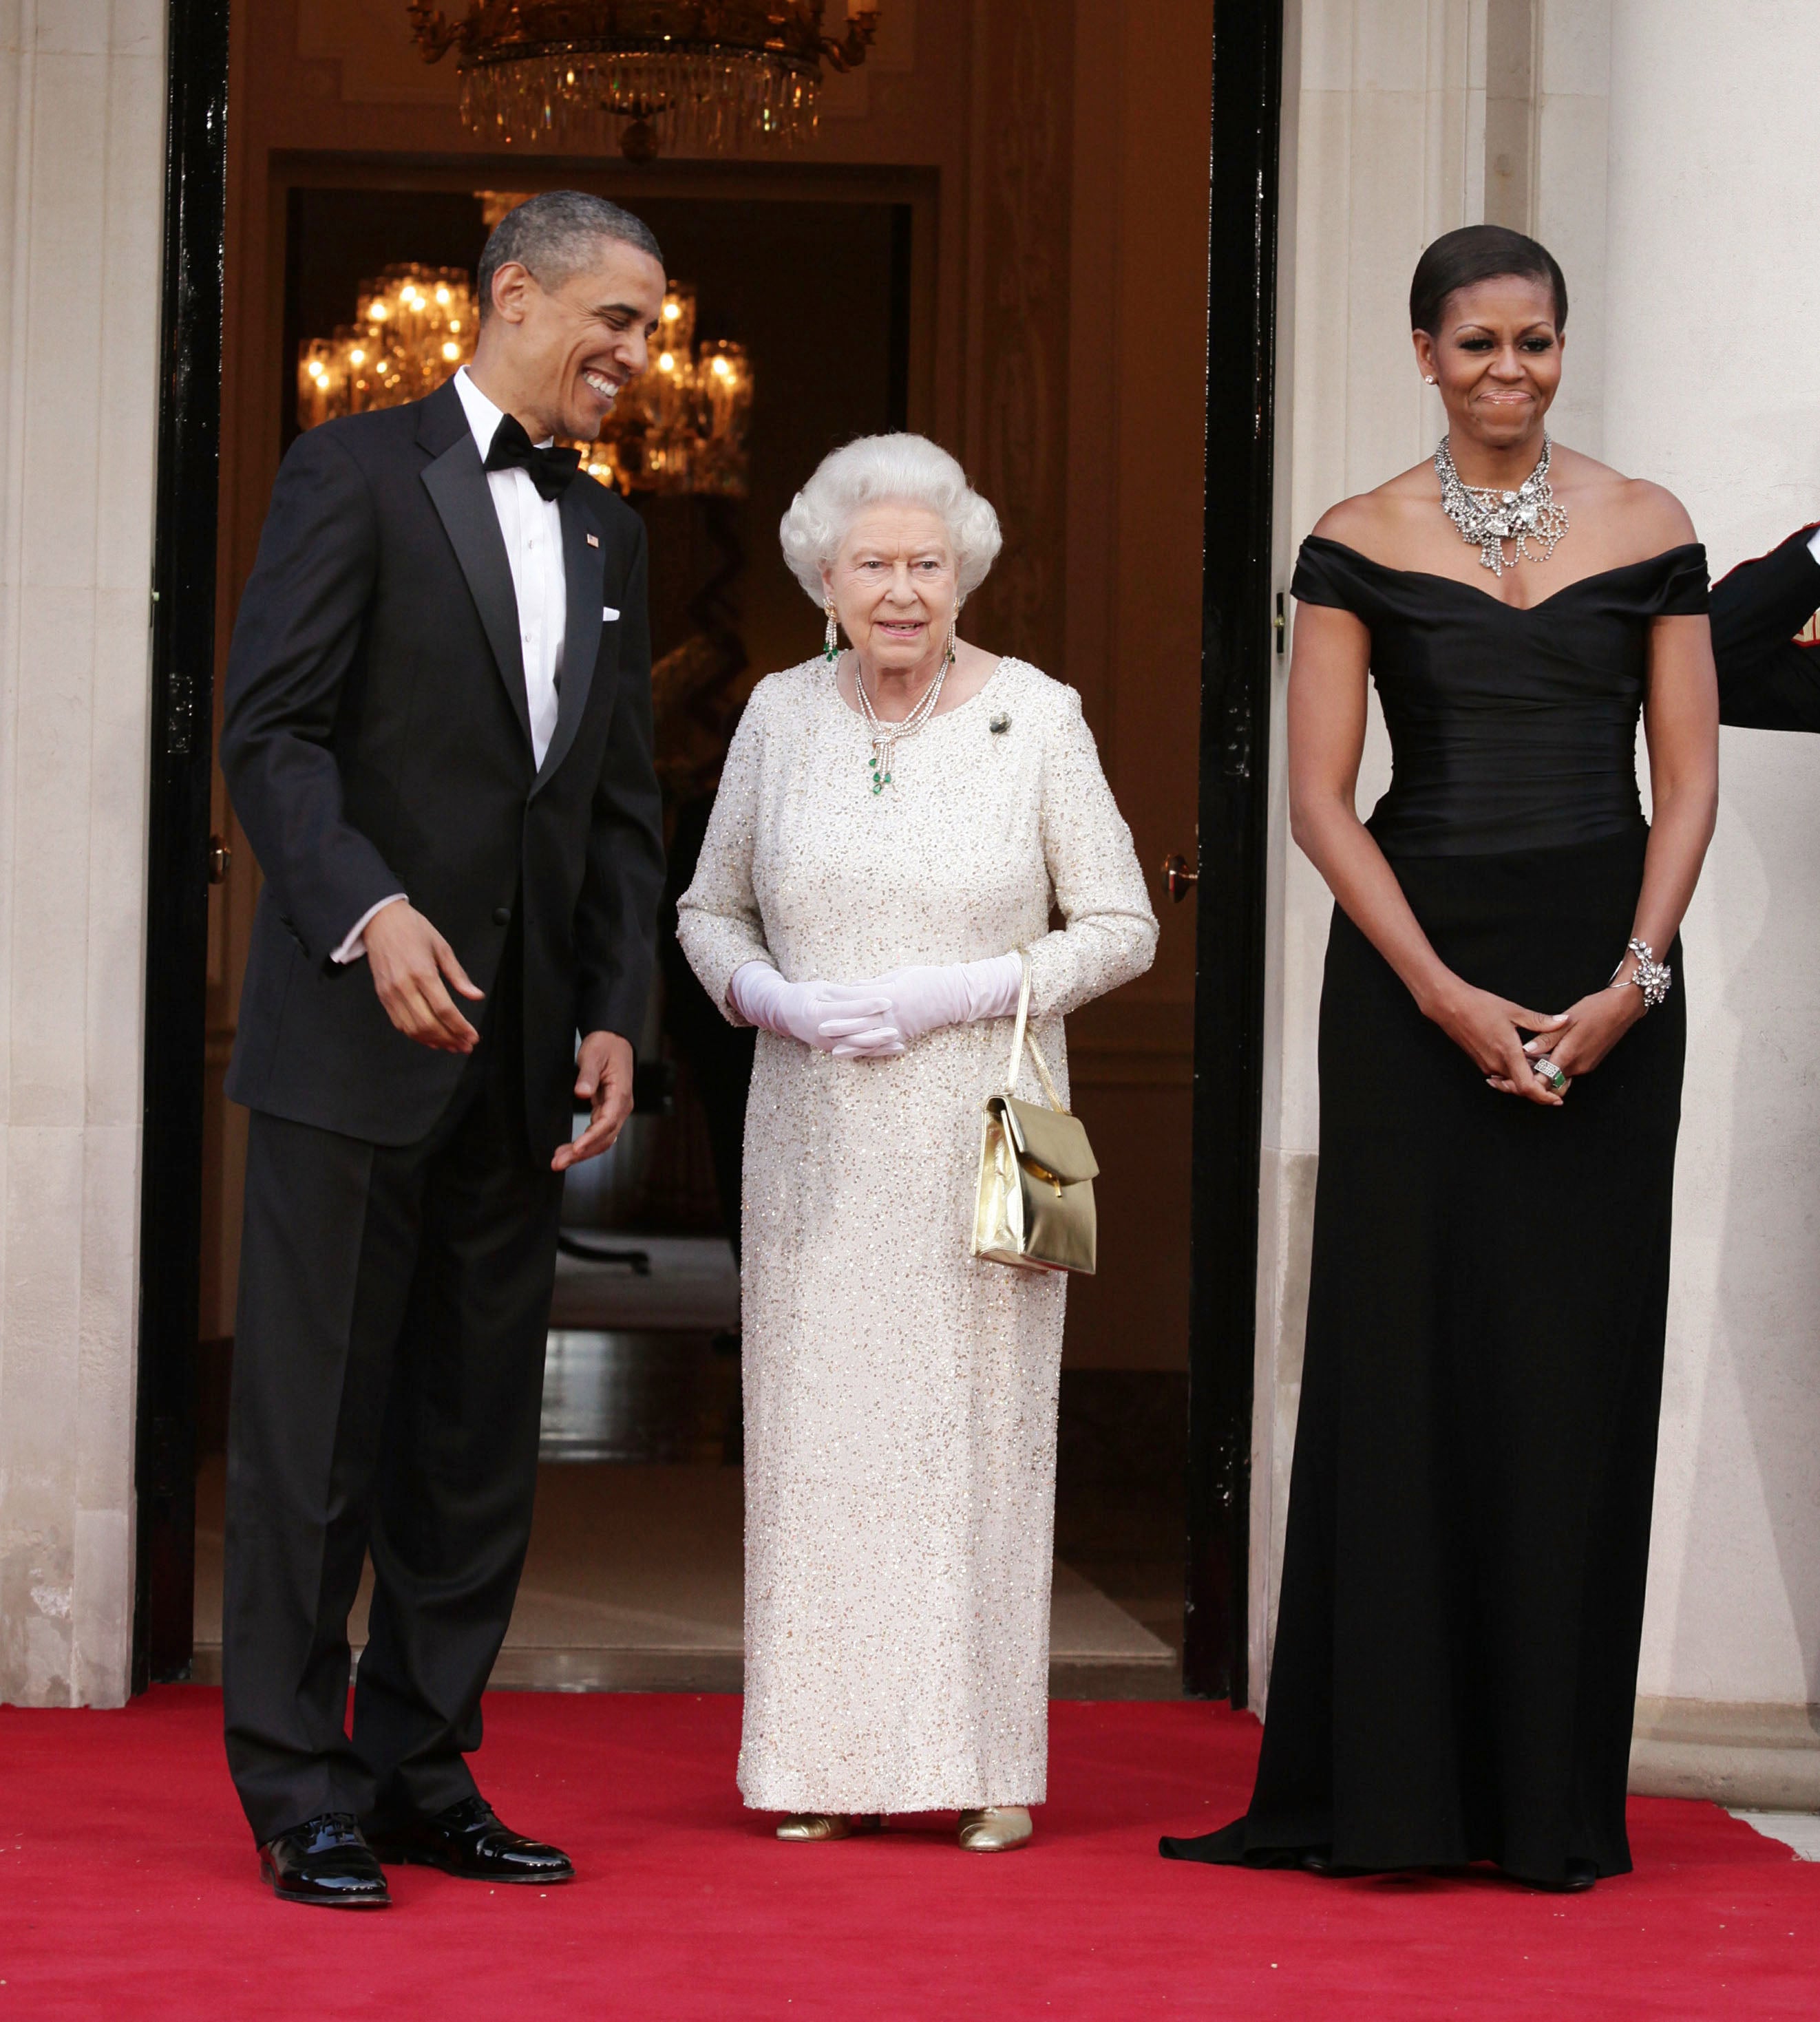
(551, 470)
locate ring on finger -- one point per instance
(1549, 1075)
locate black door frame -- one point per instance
(183, 654)
(1236, 635)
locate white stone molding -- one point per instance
(1763, 1755)
(81, 173)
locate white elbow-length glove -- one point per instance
(913, 1001)
(832, 1019)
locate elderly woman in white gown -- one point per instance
(895, 823)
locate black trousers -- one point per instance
(388, 1382)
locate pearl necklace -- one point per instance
(1487, 517)
(884, 736)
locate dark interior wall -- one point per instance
(814, 290)
(807, 288)
(336, 239)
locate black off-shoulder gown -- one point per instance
(1462, 1600)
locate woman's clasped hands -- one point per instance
(879, 1019)
(924, 997)
(1512, 1044)
(829, 1017)
(1581, 1036)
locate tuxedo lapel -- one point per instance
(584, 572)
(456, 481)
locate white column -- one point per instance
(1567, 209)
(81, 165)
(1384, 150)
(1712, 308)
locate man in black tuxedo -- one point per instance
(1769, 676)
(438, 741)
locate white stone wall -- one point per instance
(1713, 307)
(82, 155)
(1567, 196)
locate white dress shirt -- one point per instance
(1814, 545)
(532, 527)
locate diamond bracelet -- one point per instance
(1654, 978)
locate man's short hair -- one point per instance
(553, 235)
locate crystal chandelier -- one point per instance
(411, 328)
(702, 74)
(679, 427)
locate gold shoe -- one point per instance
(995, 1829)
(828, 1825)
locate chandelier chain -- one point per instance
(704, 74)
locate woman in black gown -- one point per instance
(1455, 1657)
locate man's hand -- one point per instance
(604, 1080)
(409, 960)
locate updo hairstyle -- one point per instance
(1477, 252)
(902, 469)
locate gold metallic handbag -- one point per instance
(1035, 1211)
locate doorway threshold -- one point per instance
(633, 1583)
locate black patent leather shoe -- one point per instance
(1577, 1878)
(468, 1840)
(326, 1861)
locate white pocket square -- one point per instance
(607, 613)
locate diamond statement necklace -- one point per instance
(1487, 517)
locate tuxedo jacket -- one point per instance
(377, 740)
(1765, 681)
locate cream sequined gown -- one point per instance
(899, 1396)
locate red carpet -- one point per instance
(128, 1893)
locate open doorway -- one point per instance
(1004, 244)
(634, 1573)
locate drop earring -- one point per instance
(831, 638)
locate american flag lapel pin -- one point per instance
(594, 540)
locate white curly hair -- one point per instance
(903, 468)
